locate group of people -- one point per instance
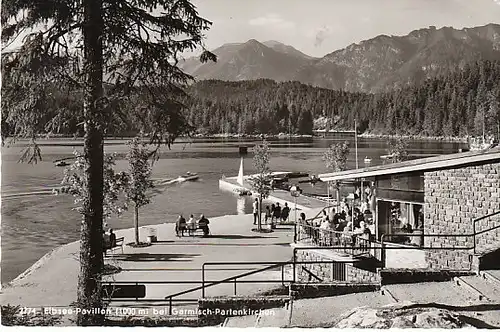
(337, 226)
(191, 225)
(272, 215)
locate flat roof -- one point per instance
(423, 164)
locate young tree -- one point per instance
(73, 183)
(139, 179)
(261, 182)
(398, 149)
(134, 45)
(336, 160)
(336, 156)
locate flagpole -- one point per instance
(356, 142)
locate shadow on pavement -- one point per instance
(146, 257)
(477, 322)
(235, 237)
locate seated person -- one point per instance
(191, 223)
(109, 240)
(407, 228)
(105, 241)
(112, 238)
(180, 226)
(203, 225)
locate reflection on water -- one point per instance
(31, 226)
(240, 205)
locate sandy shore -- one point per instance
(52, 280)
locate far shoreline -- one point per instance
(184, 139)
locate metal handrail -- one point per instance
(473, 234)
(226, 280)
(485, 230)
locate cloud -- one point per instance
(273, 21)
(321, 34)
(497, 2)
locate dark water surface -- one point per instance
(33, 225)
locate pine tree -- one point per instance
(76, 45)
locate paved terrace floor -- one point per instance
(52, 280)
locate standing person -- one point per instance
(273, 208)
(277, 214)
(268, 214)
(255, 211)
(285, 212)
(277, 211)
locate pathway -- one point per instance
(52, 281)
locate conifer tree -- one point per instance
(81, 45)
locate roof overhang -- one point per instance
(424, 164)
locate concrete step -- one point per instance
(276, 317)
(240, 321)
(312, 312)
(491, 275)
(485, 288)
(439, 292)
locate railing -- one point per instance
(351, 242)
(473, 235)
(310, 220)
(235, 280)
(474, 227)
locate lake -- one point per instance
(33, 225)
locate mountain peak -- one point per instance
(253, 41)
(378, 64)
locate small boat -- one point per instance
(387, 156)
(294, 175)
(312, 179)
(243, 192)
(368, 160)
(61, 163)
(188, 177)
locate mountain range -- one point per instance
(379, 64)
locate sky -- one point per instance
(318, 27)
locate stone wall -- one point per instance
(453, 199)
(214, 310)
(329, 271)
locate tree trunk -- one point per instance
(91, 246)
(136, 223)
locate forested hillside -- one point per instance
(453, 104)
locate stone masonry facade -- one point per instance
(454, 198)
(330, 272)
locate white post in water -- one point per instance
(240, 174)
(356, 142)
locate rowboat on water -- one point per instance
(188, 177)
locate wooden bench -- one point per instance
(119, 243)
(117, 291)
(192, 229)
